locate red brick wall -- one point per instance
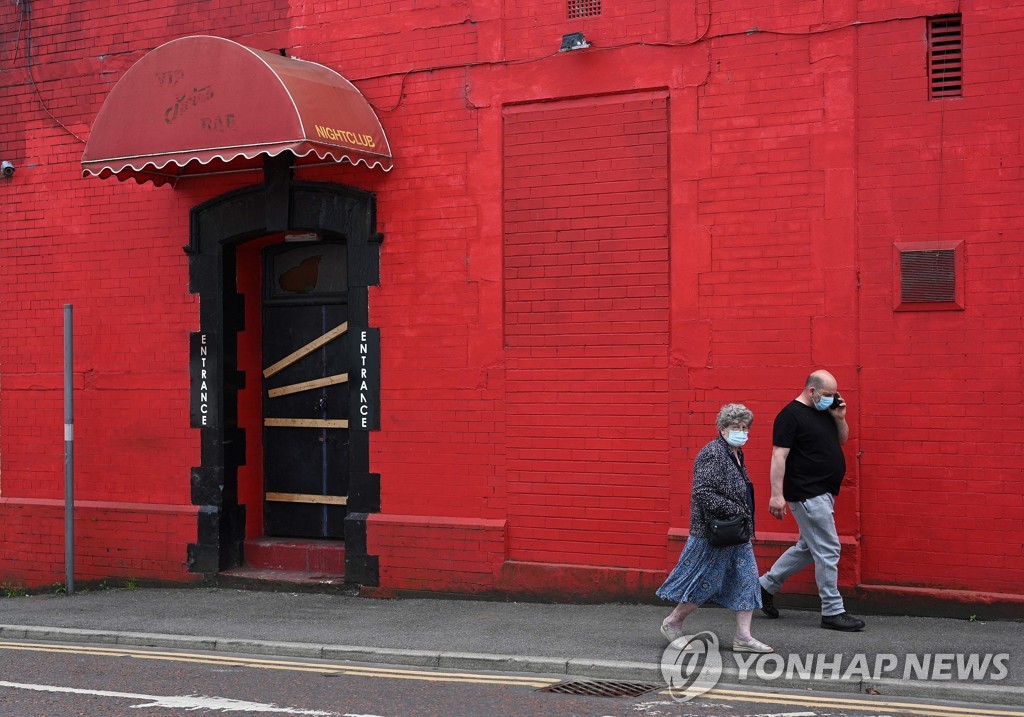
(586, 329)
(113, 251)
(249, 283)
(943, 425)
(729, 176)
(773, 287)
(112, 540)
(437, 554)
(531, 30)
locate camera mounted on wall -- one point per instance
(7, 168)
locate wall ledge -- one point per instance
(119, 506)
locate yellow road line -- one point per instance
(293, 666)
(430, 675)
(58, 648)
(816, 701)
(369, 672)
(839, 701)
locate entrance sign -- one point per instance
(203, 406)
(364, 379)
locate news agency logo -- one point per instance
(929, 667)
(691, 665)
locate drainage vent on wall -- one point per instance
(601, 688)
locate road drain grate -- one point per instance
(601, 688)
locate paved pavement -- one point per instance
(613, 641)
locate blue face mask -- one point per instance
(736, 438)
(824, 402)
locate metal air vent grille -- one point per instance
(583, 8)
(945, 57)
(927, 276)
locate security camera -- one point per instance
(7, 168)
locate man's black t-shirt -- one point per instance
(815, 464)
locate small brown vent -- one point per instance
(945, 57)
(583, 8)
(928, 276)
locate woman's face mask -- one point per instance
(736, 438)
(736, 434)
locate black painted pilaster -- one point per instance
(217, 227)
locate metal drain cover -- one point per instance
(601, 688)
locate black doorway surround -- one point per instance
(217, 227)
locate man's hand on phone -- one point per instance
(838, 406)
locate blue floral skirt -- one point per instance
(726, 576)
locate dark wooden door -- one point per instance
(305, 396)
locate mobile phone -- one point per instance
(835, 402)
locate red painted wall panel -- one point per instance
(944, 386)
(586, 329)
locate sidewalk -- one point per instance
(599, 641)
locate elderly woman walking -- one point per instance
(706, 573)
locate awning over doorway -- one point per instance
(202, 105)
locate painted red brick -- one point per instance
(586, 254)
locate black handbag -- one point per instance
(723, 533)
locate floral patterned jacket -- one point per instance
(719, 488)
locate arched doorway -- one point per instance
(343, 221)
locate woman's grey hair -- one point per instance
(734, 413)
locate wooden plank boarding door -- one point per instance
(305, 390)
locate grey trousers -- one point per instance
(818, 543)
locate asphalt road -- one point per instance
(65, 680)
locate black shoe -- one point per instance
(843, 621)
(768, 605)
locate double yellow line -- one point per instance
(430, 675)
(288, 665)
(909, 708)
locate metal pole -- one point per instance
(69, 457)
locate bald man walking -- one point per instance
(806, 472)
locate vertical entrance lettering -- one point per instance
(202, 414)
(364, 396)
